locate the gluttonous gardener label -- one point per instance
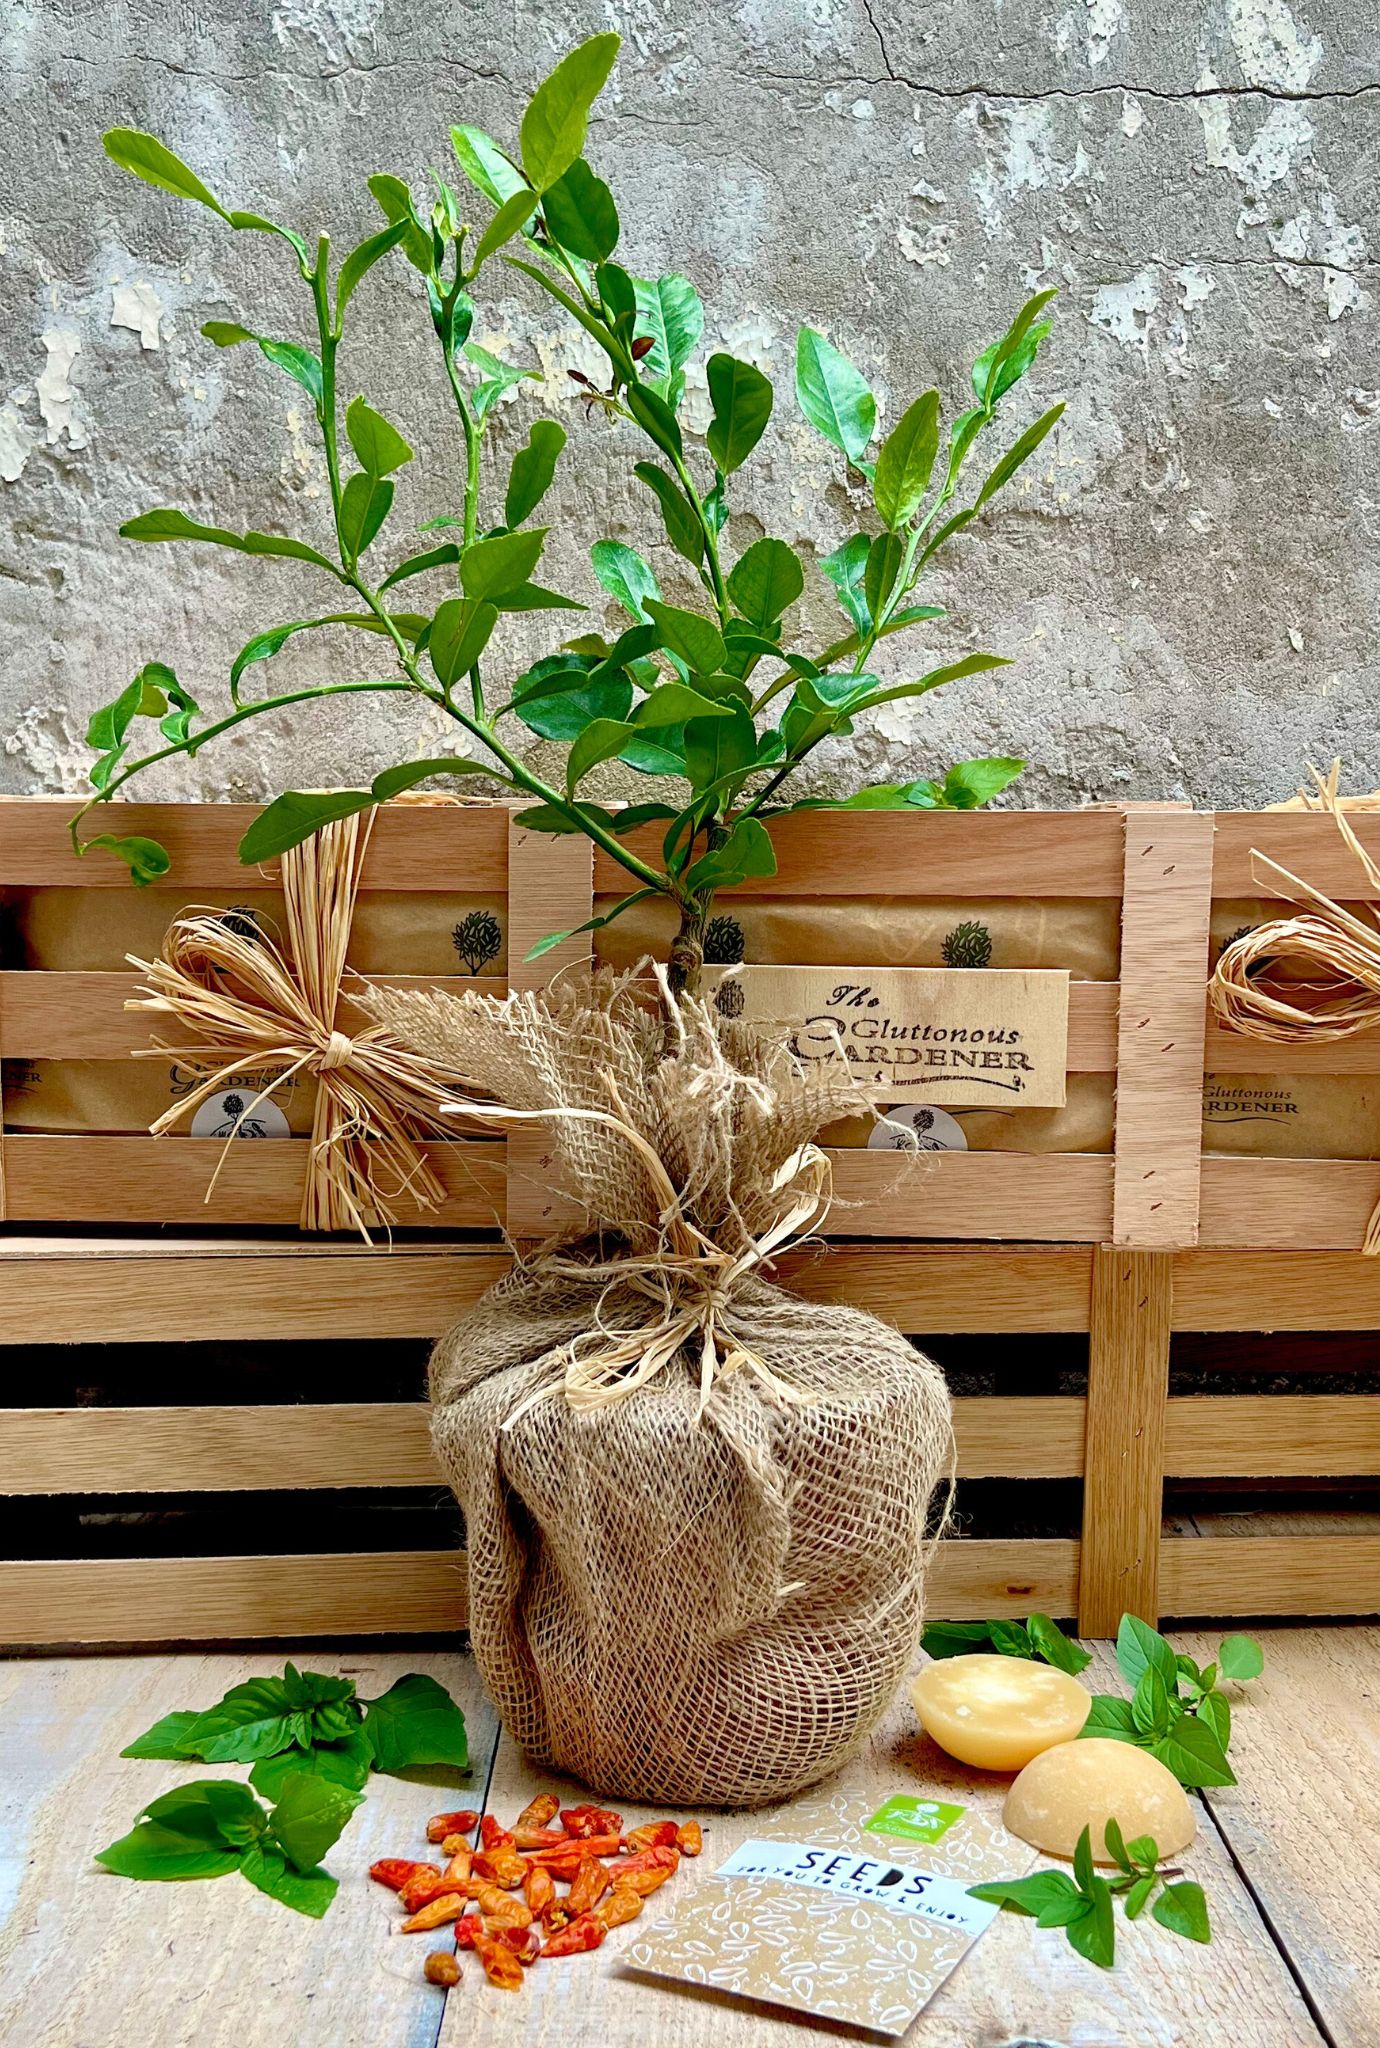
(874, 1880)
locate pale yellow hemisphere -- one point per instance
(996, 1713)
(1082, 1784)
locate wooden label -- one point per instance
(977, 1036)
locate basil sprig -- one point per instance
(215, 1826)
(1175, 1711)
(307, 1722)
(1082, 1904)
(1036, 1637)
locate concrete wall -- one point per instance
(1189, 584)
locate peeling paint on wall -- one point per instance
(56, 398)
(139, 307)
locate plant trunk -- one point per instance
(685, 962)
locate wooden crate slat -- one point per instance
(153, 1180)
(1229, 1575)
(1287, 1204)
(1164, 940)
(928, 853)
(386, 1444)
(401, 1592)
(1278, 1436)
(1231, 1052)
(1275, 1290)
(1307, 843)
(459, 847)
(82, 1016)
(1128, 1380)
(947, 1289)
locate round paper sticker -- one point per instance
(934, 1130)
(223, 1116)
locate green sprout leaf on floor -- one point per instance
(214, 1826)
(1082, 1904)
(309, 1724)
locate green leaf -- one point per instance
(742, 400)
(563, 713)
(698, 643)
(581, 214)
(747, 851)
(297, 362)
(884, 559)
(964, 797)
(557, 117)
(380, 447)
(147, 860)
(1110, 1715)
(1014, 367)
(657, 750)
(970, 784)
(1193, 1753)
(486, 166)
(266, 644)
(534, 597)
(592, 924)
(994, 360)
(601, 739)
(182, 709)
(147, 158)
(253, 1719)
(674, 703)
(227, 333)
(1045, 1893)
(1140, 1647)
(216, 1810)
(670, 316)
(1010, 1639)
(512, 216)
(1055, 1647)
(362, 259)
(1136, 1896)
(716, 748)
(846, 569)
(766, 581)
(310, 1816)
(166, 524)
(364, 506)
(145, 697)
(905, 461)
(492, 567)
(442, 557)
(954, 1638)
(533, 469)
(163, 1855)
(306, 1891)
(1241, 1657)
(499, 377)
(1150, 1703)
(416, 1722)
(1214, 1709)
(345, 1763)
(833, 395)
(625, 575)
(164, 1739)
(1144, 1852)
(1116, 1845)
(395, 200)
(682, 528)
(619, 299)
(1083, 1870)
(392, 782)
(1018, 453)
(655, 418)
(287, 821)
(1093, 1933)
(1183, 1910)
(460, 632)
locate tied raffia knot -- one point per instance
(247, 1001)
(1311, 978)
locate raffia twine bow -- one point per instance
(1312, 978)
(248, 1000)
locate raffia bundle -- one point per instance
(1314, 977)
(696, 1506)
(249, 1001)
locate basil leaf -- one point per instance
(1083, 1870)
(164, 1856)
(1241, 1657)
(1183, 1910)
(306, 1891)
(1150, 1704)
(1193, 1753)
(1136, 1897)
(1009, 1639)
(215, 1810)
(954, 1638)
(310, 1816)
(416, 1722)
(1138, 1647)
(1213, 1709)
(1116, 1846)
(1093, 1933)
(1045, 1891)
(1110, 1715)
(347, 1762)
(164, 1740)
(1055, 1647)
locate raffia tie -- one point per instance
(688, 1281)
(249, 1001)
(1312, 978)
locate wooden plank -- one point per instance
(1245, 1575)
(387, 1443)
(1209, 1436)
(1128, 1382)
(413, 846)
(1054, 1197)
(925, 853)
(209, 1599)
(80, 1016)
(158, 1180)
(1288, 1204)
(293, 1291)
(1231, 1052)
(929, 1289)
(1164, 945)
(1291, 1820)
(1017, 1984)
(1307, 843)
(199, 1965)
(552, 890)
(974, 1577)
(1275, 1290)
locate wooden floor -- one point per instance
(88, 1960)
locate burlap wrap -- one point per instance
(696, 1506)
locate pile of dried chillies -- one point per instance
(512, 1880)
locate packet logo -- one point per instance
(908, 1818)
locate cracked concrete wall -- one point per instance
(1188, 580)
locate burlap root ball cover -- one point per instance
(704, 1590)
